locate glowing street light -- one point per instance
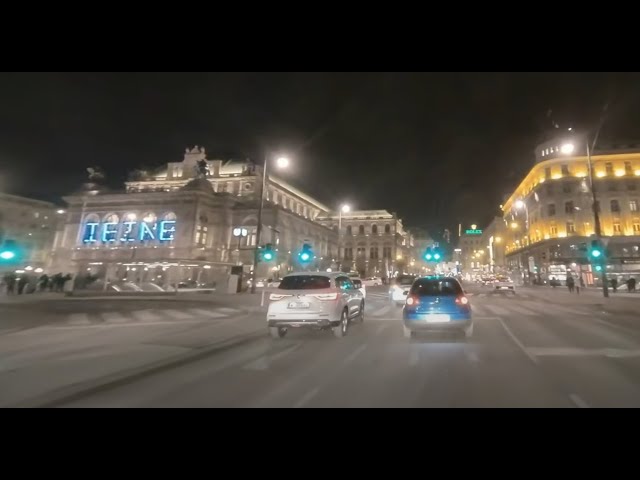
(567, 148)
(281, 162)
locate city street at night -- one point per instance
(541, 347)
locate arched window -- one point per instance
(166, 228)
(349, 231)
(387, 228)
(361, 230)
(109, 228)
(374, 229)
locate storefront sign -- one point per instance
(474, 231)
(124, 232)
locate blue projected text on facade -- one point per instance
(125, 232)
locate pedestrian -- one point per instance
(632, 284)
(570, 283)
(614, 284)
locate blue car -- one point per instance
(437, 304)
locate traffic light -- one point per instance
(596, 252)
(432, 254)
(267, 253)
(306, 254)
(10, 252)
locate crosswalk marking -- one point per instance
(79, 319)
(113, 317)
(206, 313)
(145, 315)
(177, 314)
(523, 311)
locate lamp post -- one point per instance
(567, 149)
(281, 162)
(343, 209)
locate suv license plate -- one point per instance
(299, 305)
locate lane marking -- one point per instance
(306, 398)
(264, 362)
(518, 342)
(524, 311)
(568, 310)
(79, 319)
(579, 402)
(583, 352)
(382, 311)
(414, 357)
(497, 310)
(352, 356)
(381, 328)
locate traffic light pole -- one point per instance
(596, 220)
(256, 251)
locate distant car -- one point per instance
(359, 284)
(400, 288)
(504, 283)
(437, 303)
(314, 300)
(372, 282)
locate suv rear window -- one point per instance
(442, 287)
(305, 282)
(405, 280)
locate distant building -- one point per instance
(31, 224)
(373, 242)
(493, 238)
(550, 218)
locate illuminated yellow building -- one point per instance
(549, 217)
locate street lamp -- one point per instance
(346, 208)
(281, 162)
(567, 149)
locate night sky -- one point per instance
(438, 149)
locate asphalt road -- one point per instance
(538, 348)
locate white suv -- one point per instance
(314, 299)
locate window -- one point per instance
(617, 228)
(447, 287)
(387, 228)
(612, 186)
(551, 209)
(627, 168)
(553, 230)
(633, 205)
(201, 235)
(349, 231)
(348, 253)
(636, 227)
(373, 252)
(305, 282)
(571, 228)
(344, 283)
(564, 170)
(547, 173)
(608, 168)
(566, 187)
(250, 239)
(374, 229)
(361, 230)
(615, 206)
(362, 251)
(569, 208)
(631, 186)
(386, 252)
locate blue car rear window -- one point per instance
(444, 287)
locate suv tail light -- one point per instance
(277, 296)
(412, 300)
(326, 296)
(462, 300)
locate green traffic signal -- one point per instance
(436, 256)
(7, 255)
(596, 253)
(267, 253)
(306, 254)
(10, 252)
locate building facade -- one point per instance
(550, 220)
(471, 253)
(493, 238)
(31, 224)
(372, 242)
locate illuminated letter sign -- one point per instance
(146, 233)
(127, 235)
(167, 230)
(473, 232)
(109, 232)
(90, 230)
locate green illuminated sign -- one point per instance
(473, 232)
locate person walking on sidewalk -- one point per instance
(614, 284)
(570, 283)
(631, 285)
